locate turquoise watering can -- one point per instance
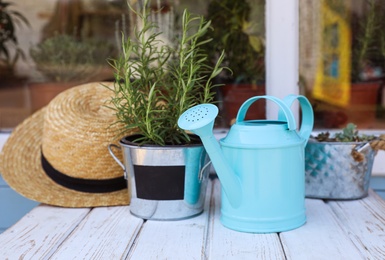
(260, 164)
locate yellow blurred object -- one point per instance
(332, 83)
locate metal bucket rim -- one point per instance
(123, 142)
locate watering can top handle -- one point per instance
(307, 121)
(284, 110)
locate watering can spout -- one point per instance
(200, 120)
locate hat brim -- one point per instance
(21, 168)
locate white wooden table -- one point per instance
(334, 230)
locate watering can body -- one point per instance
(261, 167)
(271, 171)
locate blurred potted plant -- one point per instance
(367, 69)
(368, 62)
(10, 52)
(154, 84)
(338, 165)
(65, 61)
(243, 42)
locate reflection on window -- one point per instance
(68, 42)
(342, 61)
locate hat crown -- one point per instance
(77, 130)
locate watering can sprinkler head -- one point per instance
(199, 119)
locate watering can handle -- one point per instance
(307, 117)
(284, 110)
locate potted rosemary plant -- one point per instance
(338, 165)
(154, 85)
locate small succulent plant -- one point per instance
(348, 134)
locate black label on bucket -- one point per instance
(159, 182)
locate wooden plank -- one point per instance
(224, 243)
(364, 222)
(320, 238)
(39, 233)
(106, 233)
(183, 239)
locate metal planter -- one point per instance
(332, 172)
(165, 182)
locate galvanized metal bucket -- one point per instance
(165, 182)
(332, 172)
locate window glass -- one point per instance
(67, 42)
(342, 61)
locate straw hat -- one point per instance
(59, 155)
